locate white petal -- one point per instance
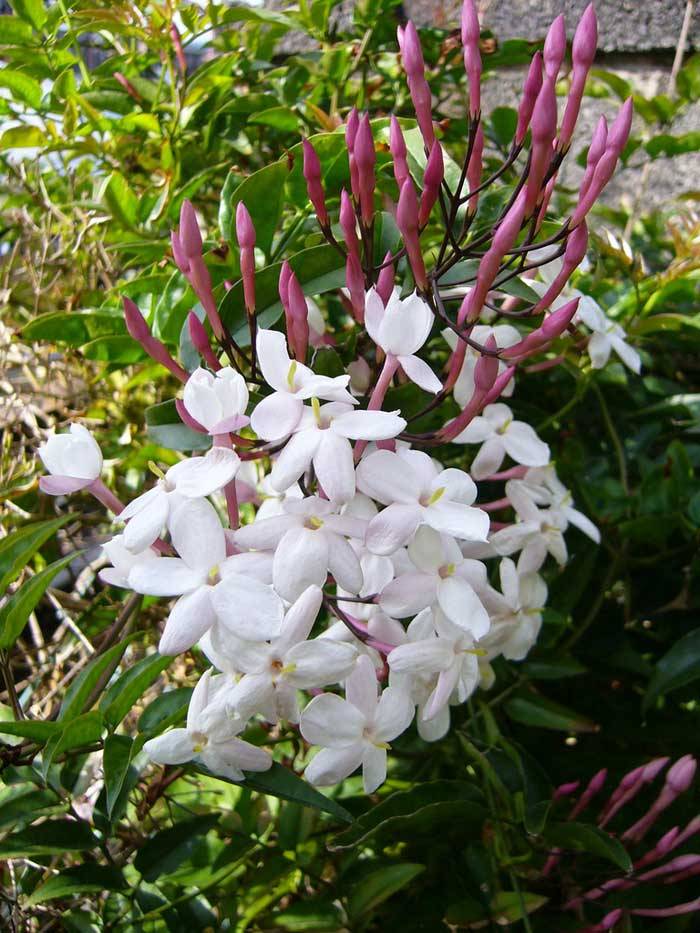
(245, 756)
(427, 550)
(583, 523)
(319, 662)
(599, 348)
(333, 765)
(384, 476)
(252, 694)
(431, 730)
(458, 485)
(489, 458)
(373, 768)
(408, 594)
(394, 714)
(201, 476)
(251, 610)
(294, 459)
(524, 446)
(299, 619)
(173, 748)
(266, 533)
(276, 416)
(343, 564)
(147, 522)
(476, 431)
(197, 534)
(440, 697)
(200, 399)
(273, 358)
(368, 425)
(335, 470)
(462, 606)
(301, 560)
(427, 656)
(374, 312)
(405, 326)
(361, 688)
(627, 354)
(331, 721)
(191, 616)
(460, 521)
(392, 528)
(164, 576)
(421, 373)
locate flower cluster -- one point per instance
(373, 586)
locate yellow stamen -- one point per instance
(291, 373)
(315, 523)
(384, 745)
(316, 408)
(479, 652)
(436, 496)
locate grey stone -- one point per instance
(623, 25)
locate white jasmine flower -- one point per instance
(74, 461)
(499, 434)
(217, 400)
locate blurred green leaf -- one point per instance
(581, 837)
(17, 548)
(52, 837)
(15, 613)
(679, 667)
(80, 879)
(128, 688)
(380, 885)
(530, 709)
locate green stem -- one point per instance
(614, 437)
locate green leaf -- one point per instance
(81, 731)
(165, 428)
(552, 668)
(169, 848)
(31, 11)
(319, 269)
(316, 915)
(120, 199)
(127, 689)
(119, 349)
(663, 144)
(25, 804)
(530, 709)
(165, 710)
(34, 729)
(23, 137)
(53, 837)
(282, 783)
(280, 118)
(14, 31)
(19, 606)
(23, 87)
(679, 667)
(510, 906)
(17, 549)
(79, 879)
(115, 762)
(263, 195)
(421, 809)
(583, 837)
(83, 685)
(73, 327)
(380, 885)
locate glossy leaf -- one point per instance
(80, 879)
(530, 709)
(380, 885)
(52, 837)
(582, 837)
(16, 611)
(679, 667)
(17, 549)
(128, 688)
(169, 848)
(115, 763)
(263, 194)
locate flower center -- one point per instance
(213, 575)
(313, 523)
(435, 497)
(447, 570)
(504, 427)
(199, 741)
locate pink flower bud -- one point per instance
(594, 786)
(351, 126)
(680, 775)
(283, 289)
(355, 281)
(556, 323)
(397, 145)
(407, 222)
(365, 159)
(531, 89)
(544, 128)
(347, 223)
(471, 31)
(385, 280)
(177, 45)
(314, 187)
(245, 231)
(135, 322)
(689, 907)
(200, 341)
(585, 39)
(555, 48)
(475, 168)
(432, 179)
(617, 137)
(470, 27)
(576, 245)
(619, 132)
(595, 153)
(499, 386)
(486, 369)
(190, 237)
(411, 52)
(181, 260)
(299, 313)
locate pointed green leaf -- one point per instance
(17, 549)
(583, 837)
(263, 195)
(115, 763)
(79, 879)
(531, 709)
(53, 837)
(127, 689)
(380, 885)
(19, 606)
(22, 86)
(679, 667)
(83, 685)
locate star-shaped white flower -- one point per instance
(499, 434)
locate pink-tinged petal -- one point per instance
(248, 609)
(343, 564)
(333, 765)
(478, 430)
(331, 721)
(420, 372)
(148, 522)
(368, 425)
(427, 656)
(440, 697)
(374, 312)
(294, 459)
(266, 533)
(62, 485)
(524, 446)
(387, 477)
(299, 619)
(165, 576)
(334, 467)
(301, 560)
(172, 748)
(361, 688)
(201, 476)
(462, 606)
(457, 520)
(273, 359)
(232, 423)
(489, 458)
(373, 768)
(197, 534)
(408, 594)
(319, 662)
(394, 714)
(276, 416)
(392, 528)
(191, 616)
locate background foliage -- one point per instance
(106, 129)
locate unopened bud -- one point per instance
(432, 179)
(135, 321)
(397, 145)
(181, 261)
(556, 323)
(347, 223)
(585, 39)
(283, 284)
(385, 279)
(355, 281)
(190, 237)
(531, 89)
(365, 159)
(486, 369)
(351, 127)
(555, 48)
(314, 187)
(411, 52)
(619, 132)
(245, 231)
